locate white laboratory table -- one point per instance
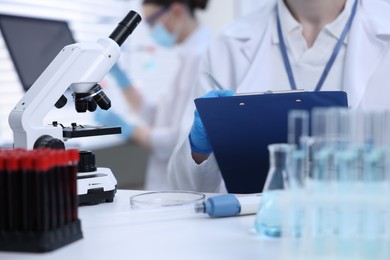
(113, 231)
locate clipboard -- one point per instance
(241, 127)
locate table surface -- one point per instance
(114, 231)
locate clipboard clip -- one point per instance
(271, 92)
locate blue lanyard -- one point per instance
(329, 65)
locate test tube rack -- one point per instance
(38, 199)
(337, 205)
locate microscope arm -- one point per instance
(79, 67)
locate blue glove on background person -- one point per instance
(122, 80)
(198, 136)
(110, 118)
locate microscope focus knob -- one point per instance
(87, 162)
(47, 141)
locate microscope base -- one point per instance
(96, 187)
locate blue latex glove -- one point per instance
(110, 118)
(120, 77)
(198, 136)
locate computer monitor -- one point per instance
(33, 43)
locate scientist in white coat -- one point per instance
(248, 57)
(172, 23)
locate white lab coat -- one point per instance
(239, 60)
(169, 110)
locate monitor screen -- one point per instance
(33, 43)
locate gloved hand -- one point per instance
(198, 136)
(120, 77)
(110, 118)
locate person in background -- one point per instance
(289, 44)
(172, 23)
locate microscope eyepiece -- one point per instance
(126, 27)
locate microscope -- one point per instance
(78, 67)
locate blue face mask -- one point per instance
(162, 36)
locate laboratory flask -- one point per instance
(268, 218)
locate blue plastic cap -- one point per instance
(222, 206)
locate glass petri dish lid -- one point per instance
(165, 199)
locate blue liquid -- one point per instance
(268, 218)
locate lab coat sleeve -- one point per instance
(147, 111)
(187, 175)
(164, 135)
(163, 140)
(183, 172)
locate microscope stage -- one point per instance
(75, 131)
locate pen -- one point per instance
(229, 205)
(213, 81)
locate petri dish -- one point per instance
(165, 199)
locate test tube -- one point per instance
(332, 128)
(319, 122)
(11, 165)
(65, 179)
(387, 152)
(42, 166)
(356, 128)
(28, 192)
(374, 153)
(2, 190)
(72, 174)
(298, 135)
(346, 162)
(373, 129)
(296, 176)
(297, 183)
(326, 130)
(321, 149)
(344, 128)
(52, 189)
(324, 126)
(298, 126)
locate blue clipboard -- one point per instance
(241, 127)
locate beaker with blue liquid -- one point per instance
(268, 218)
